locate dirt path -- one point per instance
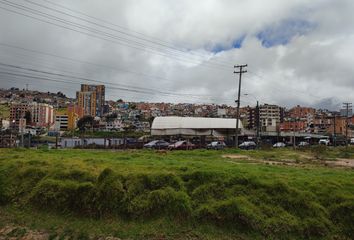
(339, 162)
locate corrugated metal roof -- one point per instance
(194, 123)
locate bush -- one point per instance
(237, 212)
(3, 197)
(169, 202)
(197, 178)
(313, 227)
(343, 214)
(25, 180)
(62, 196)
(319, 151)
(110, 193)
(74, 175)
(207, 192)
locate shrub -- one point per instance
(169, 202)
(75, 175)
(57, 195)
(343, 214)
(25, 180)
(197, 178)
(3, 196)
(208, 192)
(313, 227)
(237, 212)
(319, 151)
(110, 192)
(158, 181)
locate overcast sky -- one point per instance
(298, 52)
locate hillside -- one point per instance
(275, 194)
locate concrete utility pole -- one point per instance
(334, 131)
(257, 123)
(240, 72)
(347, 107)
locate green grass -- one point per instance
(4, 111)
(177, 195)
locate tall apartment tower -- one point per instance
(92, 99)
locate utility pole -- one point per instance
(257, 123)
(240, 72)
(294, 139)
(347, 107)
(334, 132)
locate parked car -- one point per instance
(303, 144)
(352, 141)
(279, 145)
(181, 145)
(248, 145)
(217, 145)
(324, 142)
(157, 144)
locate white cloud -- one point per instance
(312, 66)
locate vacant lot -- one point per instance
(275, 194)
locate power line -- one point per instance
(96, 33)
(119, 26)
(144, 38)
(112, 85)
(81, 61)
(103, 82)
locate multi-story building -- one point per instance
(61, 122)
(270, 116)
(302, 113)
(92, 99)
(36, 114)
(17, 112)
(74, 114)
(67, 119)
(42, 114)
(290, 126)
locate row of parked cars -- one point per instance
(219, 145)
(182, 145)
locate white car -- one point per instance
(324, 142)
(352, 141)
(279, 145)
(303, 144)
(217, 145)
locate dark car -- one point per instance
(248, 145)
(217, 145)
(157, 144)
(181, 145)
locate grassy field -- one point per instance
(231, 194)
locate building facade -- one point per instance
(36, 114)
(92, 99)
(270, 117)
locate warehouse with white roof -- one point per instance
(194, 126)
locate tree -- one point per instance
(111, 117)
(28, 117)
(86, 122)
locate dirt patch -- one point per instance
(341, 162)
(237, 156)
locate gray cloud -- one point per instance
(298, 52)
